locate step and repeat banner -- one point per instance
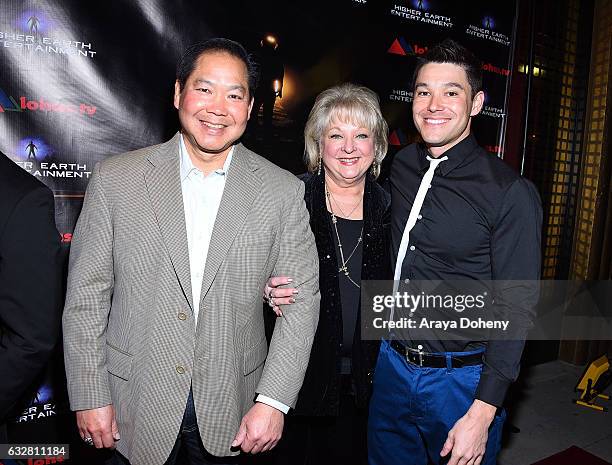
(81, 81)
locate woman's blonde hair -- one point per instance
(348, 103)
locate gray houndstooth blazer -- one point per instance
(129, 333)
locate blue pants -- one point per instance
(413, 408)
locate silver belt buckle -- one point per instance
(419, 351)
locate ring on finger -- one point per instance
(89, 441)
(271, 302)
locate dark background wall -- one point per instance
(83, 80)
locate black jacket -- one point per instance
(30, 281)
(320, 393)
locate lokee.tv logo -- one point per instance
(495, 69)
(31, 461)
(494, 149)
(401, 47)
(8, 103)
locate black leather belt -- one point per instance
(424, 359)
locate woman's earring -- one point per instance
(319, 167)
(375, 169)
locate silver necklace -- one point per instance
(343, 268)
(344, 215)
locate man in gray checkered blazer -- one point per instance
(163, 326)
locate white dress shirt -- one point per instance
(201, 199)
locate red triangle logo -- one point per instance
(396, 48)
(393, 139)
(1, 111)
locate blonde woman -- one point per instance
(346, 140)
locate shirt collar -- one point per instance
(187, 165)
(456, 155)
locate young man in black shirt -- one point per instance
(457, 213)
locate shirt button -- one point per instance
(420, 217)
(406, 281)
(182, 316)
(429, 186)
(412, 247)
(180, 369)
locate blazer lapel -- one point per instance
(164, 187)
(241, 189)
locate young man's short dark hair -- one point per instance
(449, 51)
(187, 62)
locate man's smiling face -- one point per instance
(214, 105)
(443, 106)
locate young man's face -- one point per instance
(443, 106)
(214, 105)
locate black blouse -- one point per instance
(320, 393)
(349, 232)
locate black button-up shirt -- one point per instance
(481, 221)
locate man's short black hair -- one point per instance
(187, 62)
(449, 51)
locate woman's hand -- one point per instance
(277, 296)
